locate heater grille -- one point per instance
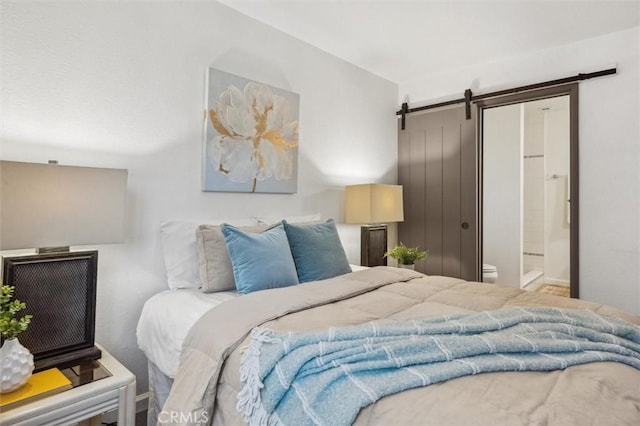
(59, 291)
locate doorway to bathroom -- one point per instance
(528, 213)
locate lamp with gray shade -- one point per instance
(50, 207)
(373, 205)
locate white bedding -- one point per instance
(166, 319)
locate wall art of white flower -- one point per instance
(251, 136)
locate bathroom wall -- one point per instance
(557, 248)
(533, 213)
(502, 192)
(546, 236)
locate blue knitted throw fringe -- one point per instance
(326, 377)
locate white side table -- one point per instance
(116, 391)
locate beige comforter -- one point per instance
(207, 382)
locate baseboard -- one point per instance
(142, 403)
(556, 281)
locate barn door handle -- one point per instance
(465, 225)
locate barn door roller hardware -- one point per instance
(403, 111)
(467, 103)
(469, 97)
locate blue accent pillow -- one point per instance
(317, 250)
(260, 261)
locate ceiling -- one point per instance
(406, 40)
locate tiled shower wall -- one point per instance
(533, 190)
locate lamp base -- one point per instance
(373, 245)
(68, 359)
(60, 292)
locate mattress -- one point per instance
(166, 319)
(168, 316)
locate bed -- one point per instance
(165, 320)
(218, 334)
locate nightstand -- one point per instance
(99, 386)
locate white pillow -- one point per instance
(272, 220)
(180, 252)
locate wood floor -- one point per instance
(555, 290)
(141, 418)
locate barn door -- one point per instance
(437, 167)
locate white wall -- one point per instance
(609, 149)
(122, 85)
(557, 235)
(502, 192)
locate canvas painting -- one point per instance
(251, 136)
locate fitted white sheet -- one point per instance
(168, 316)
(166, 319)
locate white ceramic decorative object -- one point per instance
(412, 266)
(16, 365)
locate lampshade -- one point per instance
(373, 203)
(44, 205)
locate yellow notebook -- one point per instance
(40, 385)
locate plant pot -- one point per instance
(16, 365)
(412, 266)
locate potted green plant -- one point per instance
(406, 256)
(16, 362)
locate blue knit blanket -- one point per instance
(326, 377)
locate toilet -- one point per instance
(489, 273)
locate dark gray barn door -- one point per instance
(437, 167)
